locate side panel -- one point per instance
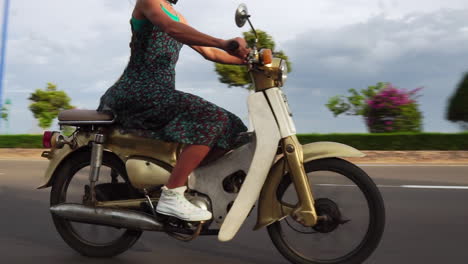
(283, 114)
(209, 179)
(129, 145)
(267, 140)
(143, 173)
(123, 145)
(269, 209)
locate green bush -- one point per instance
(20, 141)
(393, 110)
(394, 141)
(364, 141)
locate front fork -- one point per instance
(304, 211)
(270, 209)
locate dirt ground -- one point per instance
(394, 157)
(412, 157)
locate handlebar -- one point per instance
(233, 45)
(253, 56)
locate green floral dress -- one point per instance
(144, 99)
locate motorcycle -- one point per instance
(109, 179)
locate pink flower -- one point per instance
(414, 91)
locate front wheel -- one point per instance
(351, 202)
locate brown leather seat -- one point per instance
(84, 117)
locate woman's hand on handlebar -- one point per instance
(241, 52)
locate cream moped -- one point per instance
(317, 207)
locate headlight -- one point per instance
(283, 72)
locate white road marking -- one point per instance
(412, 165)
(435, 187)
(335, 185)
(448, 187)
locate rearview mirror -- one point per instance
(242, 14)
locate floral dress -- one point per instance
(145, 99)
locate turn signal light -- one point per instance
(267, 56)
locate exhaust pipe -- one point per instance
(107, 216)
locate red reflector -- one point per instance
(46, 138)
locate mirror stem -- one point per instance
(253, 29)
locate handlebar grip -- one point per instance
(233, 45)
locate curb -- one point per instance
(21, 154)
(413, 157)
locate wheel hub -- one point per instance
(330, 215)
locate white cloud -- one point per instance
(316, 92)
(83, 47)
(40, 60)
(99, 86)
(428, 50)
(19, 91)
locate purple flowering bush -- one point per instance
(384, 107)
(393, 110)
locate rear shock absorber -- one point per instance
(96, 162)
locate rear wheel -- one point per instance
(71, 186)
(353, 206)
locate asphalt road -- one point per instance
(425, 224)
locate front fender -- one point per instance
(321, 150)
(270, 209)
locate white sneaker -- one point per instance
(174, 203)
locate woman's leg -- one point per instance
(172, 201)
(213, 155)
(189, 159)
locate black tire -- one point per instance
(370, 238)
(65, 228)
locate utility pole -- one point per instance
(6, 13)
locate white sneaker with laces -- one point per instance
(174, 203)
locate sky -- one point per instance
(334, 45)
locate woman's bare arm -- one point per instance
(217, 55)
(180, 31)
(214, 54)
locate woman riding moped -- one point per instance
(145, 98)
